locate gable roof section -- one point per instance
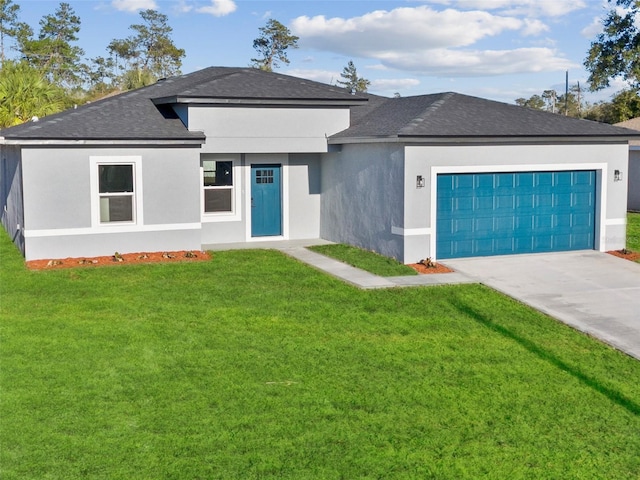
(455, 116)
(633, 124)
(250, 85)
(145, 115)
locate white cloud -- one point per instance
(393, 84)
(330, 77)
(183, 7)
(593, 29)
(219, 8)
(133, 5)
(533, 27)
(458, 63)
(529, 8)
(544, 42)
(431, 42)
(413, 28)
(377, 66)
(324, 76)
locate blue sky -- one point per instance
(498, 49)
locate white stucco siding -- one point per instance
(57, 192)
(171, 183)
(62, 206)
(429, 161)
(304, 196)
(267, 130)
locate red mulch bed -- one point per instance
(423, 269)
(121, 259)
(626, 254)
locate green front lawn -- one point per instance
(253, 365)
(365, 260)
(633, 232)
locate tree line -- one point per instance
(615, 53)
(50, 72)
(623, 106)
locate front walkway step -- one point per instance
(345, 272)
(431, 279)
(367, 280)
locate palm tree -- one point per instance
(25, 93)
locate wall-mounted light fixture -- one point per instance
(617, 176)
(419, 181)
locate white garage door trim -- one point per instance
(601, 189)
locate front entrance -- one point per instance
(266, 200)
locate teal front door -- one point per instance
(505, 213)
(266, 201)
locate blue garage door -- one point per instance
(505, 213)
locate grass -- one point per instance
(256, 366)
(633, 231)
(365, 260)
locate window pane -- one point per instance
(217, 200)
(116, 178)
(116, 209)
(217, 174)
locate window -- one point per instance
(264, 176)
(218, 186)
(115, 186)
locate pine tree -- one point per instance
(272, 45)
(9, 24)
(352, 82)
(150, 54)
(53, 51)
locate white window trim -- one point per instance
(94, 163)
(601, 170)
(235, 215)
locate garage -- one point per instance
(481, 214)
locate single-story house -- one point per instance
(238, 155)
(633, 178)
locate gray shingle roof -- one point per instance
(134, 115)
(633, 124)
(145, 114)
(250, 83)
(457, 115)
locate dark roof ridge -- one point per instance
(429, 111)
(223, 73)
(451, 115)
(266, 85)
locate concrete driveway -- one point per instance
(592, 291)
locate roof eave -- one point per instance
(474, 140)
(105, 141)
(330, 102)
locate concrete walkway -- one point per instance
(594, 292)
(346, 273)
(366, 280)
